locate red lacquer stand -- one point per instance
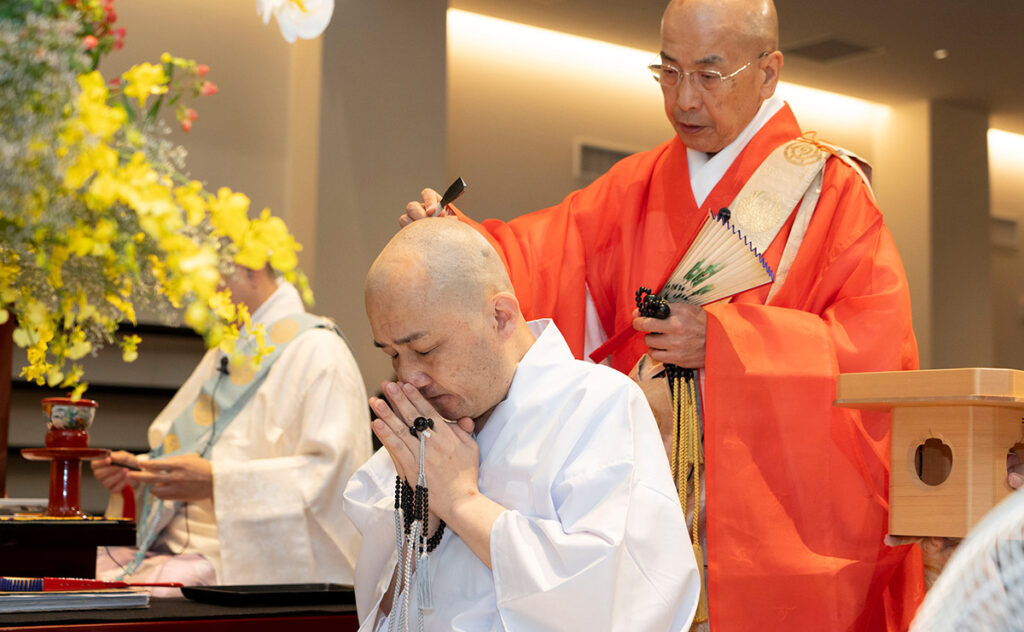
(65, 476)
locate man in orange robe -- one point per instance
(796, 489)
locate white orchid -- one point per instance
(297, 18)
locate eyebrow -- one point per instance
(709, 59)
(401, 341)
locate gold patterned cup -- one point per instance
(68, 421)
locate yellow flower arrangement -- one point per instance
(96, 217)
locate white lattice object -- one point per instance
(982, 586)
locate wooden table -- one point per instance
(165, 615)
(58, 548)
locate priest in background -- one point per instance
(244, 482)
(795, 491)
(554, 515)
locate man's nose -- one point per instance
(688, 95)
(414, 376)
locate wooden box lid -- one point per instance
(933, 387)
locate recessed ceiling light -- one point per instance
(940, 53)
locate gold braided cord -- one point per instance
(679, 447)
(686, 458)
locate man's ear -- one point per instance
(771, 66)
(506, 313)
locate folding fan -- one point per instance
(720, 262)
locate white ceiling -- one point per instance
(984, 40)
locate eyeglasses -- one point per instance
(708, 79)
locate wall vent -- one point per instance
(1004, 232)
(831, 50)
(592, 158)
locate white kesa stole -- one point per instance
(222, 397)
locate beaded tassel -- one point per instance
(412, 512)
(400, 537)
(426, 597)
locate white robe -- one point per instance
(279, 468)
(593, 538)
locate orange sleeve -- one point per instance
(797, 489)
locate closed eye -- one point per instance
(427, 352)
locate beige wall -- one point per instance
(519, 98)
(903, 186)
(1006, 173)
(961, 267)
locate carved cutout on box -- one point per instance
(933, 461)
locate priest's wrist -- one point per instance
(472, 516)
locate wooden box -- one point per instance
(951, 432)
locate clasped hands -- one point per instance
(185, 477)
(452, 457)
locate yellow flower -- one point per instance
(228, 213)
(73, 377)
(77, 393)
(143, 80)
(126, 308)
(54, 377)
(103, 191)
(130, 348)
(222, 306)
(94, 113)
(57, 258)
(196, 316)
(97, 158)
(190, 200)
(268, 239)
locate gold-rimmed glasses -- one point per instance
(708, 79)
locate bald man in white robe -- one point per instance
(561, 513)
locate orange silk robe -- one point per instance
(796, 489)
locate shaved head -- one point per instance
(441, 259)
(441, 306)
(754, 20)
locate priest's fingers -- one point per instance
(187, 477)
(405, 463)
(427, 207)
(463, 429)
(112, 478)
(394, 435)
(109, 471)
(651, 325)
(391, 418)
(190, 465)
(400, 404)
(690, 356)
(1014, 471)
(424, 408)
(467, 425)
(431, 199)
